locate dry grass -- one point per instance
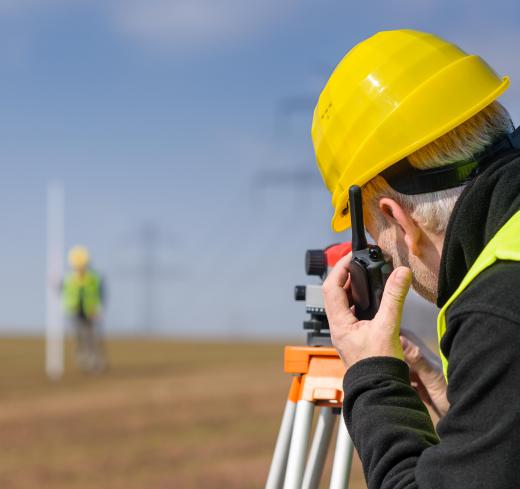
(167, 415)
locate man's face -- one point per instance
(81, 270)
(425, 270)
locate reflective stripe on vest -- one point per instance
(505, 245)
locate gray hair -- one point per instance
(432, 210)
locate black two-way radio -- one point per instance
(368, 268)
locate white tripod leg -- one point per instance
(299, 442)
(281, 451)
(319, 448)
(342, 458)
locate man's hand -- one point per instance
(356, 340)
(426, 372)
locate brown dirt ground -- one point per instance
(167, 415)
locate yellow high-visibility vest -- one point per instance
(86, 288)
(505, 245)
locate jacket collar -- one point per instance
(484, 206)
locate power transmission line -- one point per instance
(149, 239)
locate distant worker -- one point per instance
(82, 297)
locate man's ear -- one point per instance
(396, 214)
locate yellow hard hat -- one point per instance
(389, 96)
(78, 257)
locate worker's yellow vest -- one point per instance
(505, 245)
(86, 288)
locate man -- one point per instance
(414, 120)
(82, 296)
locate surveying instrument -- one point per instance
(317, 369)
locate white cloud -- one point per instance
(172, 24)
(181, 24)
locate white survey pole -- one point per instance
(54, 332)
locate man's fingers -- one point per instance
(334, 294)
(412, 353)
(396, 288)
(416, 350)
(339, 274)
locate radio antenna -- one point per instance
(359, 239)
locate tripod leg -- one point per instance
(281, 451)
(319, 448)
(342, 458)
(299, 442)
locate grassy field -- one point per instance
(167, 415)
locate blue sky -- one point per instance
(171, 113)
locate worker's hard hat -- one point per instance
(389, 96)
(78, 257)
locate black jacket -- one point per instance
(477, 444)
